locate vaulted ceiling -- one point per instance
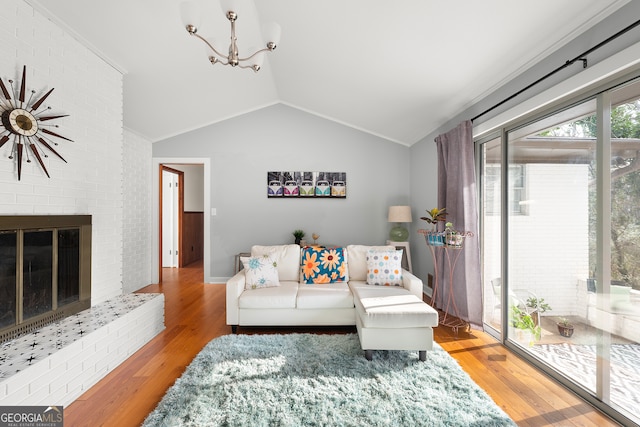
(395, 69)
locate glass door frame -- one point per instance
(602, 94)
(498, 333)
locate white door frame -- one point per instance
(155, 200)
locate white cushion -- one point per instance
(283, 296)
(286, 256)
(392, 307)
(260, 272)
(329, 295)
(358, 284)
(384, 268)
(357, 259)
(362, 290)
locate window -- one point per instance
(517, 188)
(569, 246)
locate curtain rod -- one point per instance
(580, 57)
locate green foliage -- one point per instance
(625, 192)
(625, 201)
(520, 319)
(435, 215)
(298, 234)
(564, 322)
(538, 304)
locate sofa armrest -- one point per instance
(412, 283)
(235, 287)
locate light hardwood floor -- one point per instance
(195, 314)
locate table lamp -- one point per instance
(398, 215)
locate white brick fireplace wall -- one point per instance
(94, 180)
(56, 364)
(90, 91)
(136, 271)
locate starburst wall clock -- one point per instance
(25, 125)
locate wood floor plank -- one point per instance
(195, 314)
(503, 370)
(546, 403)
(491, 380)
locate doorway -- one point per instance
(181, 201)
(171, 214)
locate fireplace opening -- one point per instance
(45, 270)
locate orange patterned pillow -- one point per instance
(320, 265)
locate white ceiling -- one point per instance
(396, 69)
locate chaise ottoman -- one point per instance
(390, 318)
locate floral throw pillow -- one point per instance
(384, 268)
(260, 272)
(323, 265)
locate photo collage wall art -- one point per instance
(307, 184)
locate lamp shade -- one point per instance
(399, 214)
(231, 6)
(271, 32)
(190, 13)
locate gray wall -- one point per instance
(379, 173)
(243, 149)
(424, 196)
(423, 153)
(193, 186)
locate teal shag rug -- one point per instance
(321, 380)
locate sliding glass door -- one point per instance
(565, 287)
(548, 237)
(491, 214)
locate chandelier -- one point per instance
(190, 13)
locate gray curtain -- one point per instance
(457, 192)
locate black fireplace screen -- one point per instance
(68, 266)
(37, 268)
(45, 273)
(8, 244)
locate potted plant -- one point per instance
(453, 238)
(298, 234)
(522, 320)
(436, 215)
(539, 306)
(565, 328)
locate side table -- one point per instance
(238, 263)
(406, 254)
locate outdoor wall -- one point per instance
(137, 229)
(90, 92)
(280, 138)
(549, 246)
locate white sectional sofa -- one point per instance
(386, 317)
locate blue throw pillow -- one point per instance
(323, 265)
